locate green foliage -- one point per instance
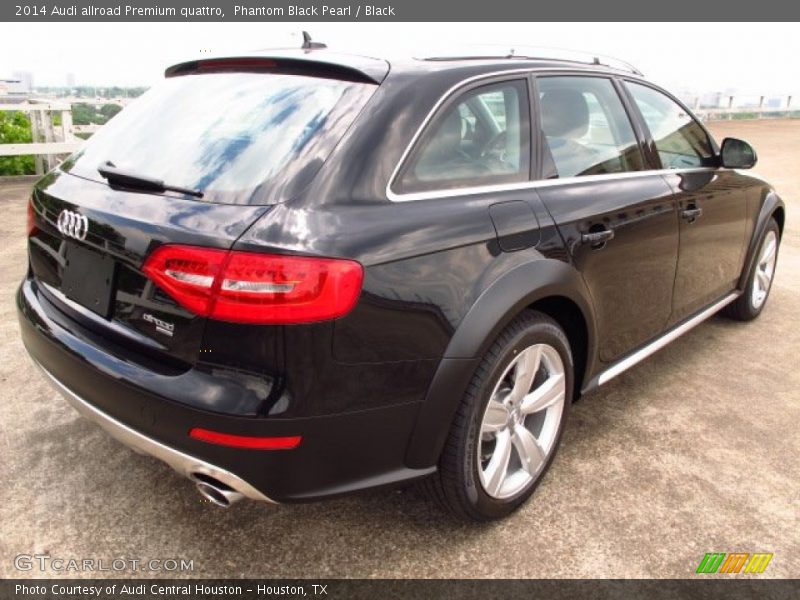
(15, 128)
(109, 110)
(82, 114)
(85, 114)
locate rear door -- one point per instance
(618, 220)
(712, 202)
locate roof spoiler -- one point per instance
(356, 71)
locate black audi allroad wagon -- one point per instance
(300, 274)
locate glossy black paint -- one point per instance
(323, 465)
(127, 226)
(373, 393)
(345, 67)
(713, 243)
(641, 213)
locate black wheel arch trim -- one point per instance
(770, 207)
(495, 308)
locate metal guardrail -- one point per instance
(716, 114)
(39, 148)
(49, 141)
(729, 106)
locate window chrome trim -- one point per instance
(523, 185)
(530, 185)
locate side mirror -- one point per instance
(737, 154)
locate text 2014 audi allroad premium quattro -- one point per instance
(300, 274)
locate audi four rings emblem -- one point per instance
(73, 224)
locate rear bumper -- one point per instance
(186, 465)
(339, 454)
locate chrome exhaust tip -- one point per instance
(215, 491)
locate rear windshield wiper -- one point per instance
(130, 180)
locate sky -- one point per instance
(749, 58)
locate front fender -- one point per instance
(769, 206)
(495, 308)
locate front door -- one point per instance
(712, 203)
(620, 223)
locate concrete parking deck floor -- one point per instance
(695, 450)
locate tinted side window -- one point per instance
(586, 127)
(481, 139)
(680, 140)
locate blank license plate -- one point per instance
(88, 278)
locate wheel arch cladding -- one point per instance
(572, 320)
(771, 208)
(548, 285)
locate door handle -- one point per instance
(691, 214)
(597, 239)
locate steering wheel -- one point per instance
(496, 145)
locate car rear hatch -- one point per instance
(208, 151)
(88, 247)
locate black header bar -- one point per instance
(400, 11)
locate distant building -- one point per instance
(711, 100)
(24, 83)
(8, 91)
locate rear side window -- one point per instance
(241, 138)
(680, 140)
(483, 138)
(586, 127)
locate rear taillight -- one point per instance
(247, 287)
(31, 218)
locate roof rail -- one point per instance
(521, 51)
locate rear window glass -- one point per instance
(482, 139)
(241, 138)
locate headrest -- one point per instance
(446, 142)
(565, 114)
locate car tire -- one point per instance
(469, 481)
(759, 282)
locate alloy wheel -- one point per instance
(765, 269)
(521, 421)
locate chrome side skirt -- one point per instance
(656, 345)
(186, 465)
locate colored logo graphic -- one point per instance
(737, 562)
